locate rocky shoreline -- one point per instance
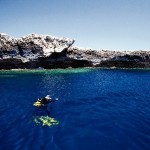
(48, 52)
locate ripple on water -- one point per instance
(97, 109)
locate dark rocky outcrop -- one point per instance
(105, 58)
(33, 51)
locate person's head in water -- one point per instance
(47, 97)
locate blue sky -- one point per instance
(97, 24)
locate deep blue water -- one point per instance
(98, 109)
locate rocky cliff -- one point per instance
(33, 51)
(105, 58)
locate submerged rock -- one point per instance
(45, 121)
(45, 51)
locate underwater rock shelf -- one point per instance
(34, 51)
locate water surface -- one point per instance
(100, 109)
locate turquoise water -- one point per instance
(97, 109)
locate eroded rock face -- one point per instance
(32, 46)
(33, 51)
(105, 58)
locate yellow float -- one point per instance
(38, 104)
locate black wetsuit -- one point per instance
(45, 109)
(45, 101)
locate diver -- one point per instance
(44, 101)
(44, 105)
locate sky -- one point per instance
(96, 24)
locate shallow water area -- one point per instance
(97, 109)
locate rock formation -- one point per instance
(105, 58)
(33, 51)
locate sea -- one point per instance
(95, 109)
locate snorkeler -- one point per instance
(44, 101)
